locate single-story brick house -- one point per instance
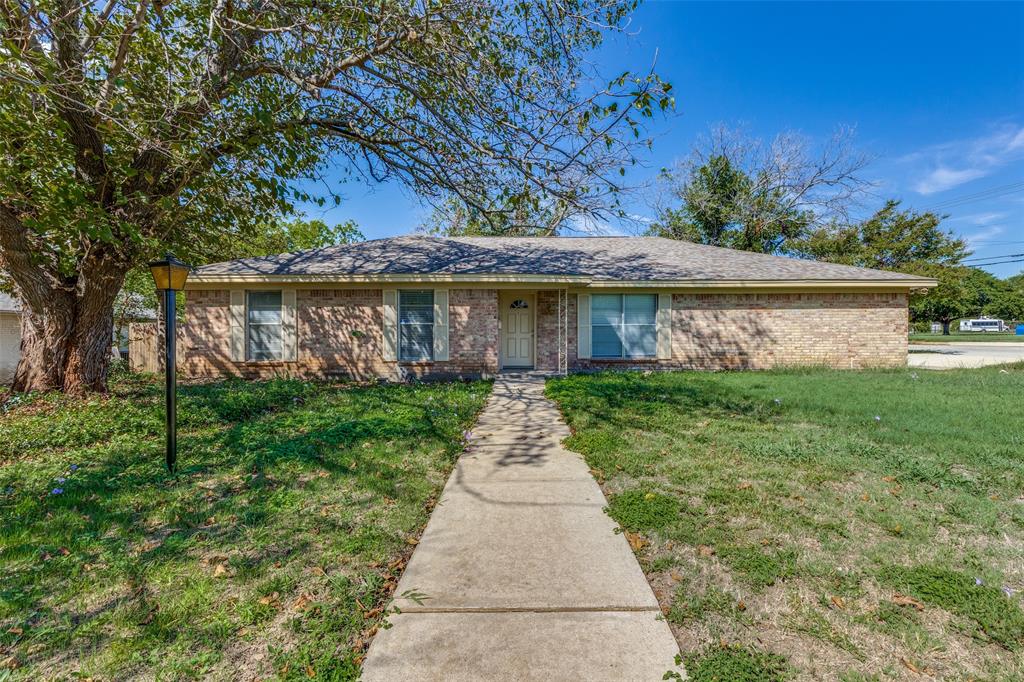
(418, 306)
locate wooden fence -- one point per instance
(146, 346)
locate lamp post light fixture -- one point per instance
(169, 275)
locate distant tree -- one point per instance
(950, 300)
(523, 217)
(891, 239)
(744, 194)
(127, 129)
(287, 236)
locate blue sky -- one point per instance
(935, 91)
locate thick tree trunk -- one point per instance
(45, 337)
(66, 342)
(945, 327)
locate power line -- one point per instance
(1009, 255)
(1002, 262)
(981, 195)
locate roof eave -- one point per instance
(572, 280)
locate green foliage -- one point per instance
(724, 206)
(996, 615)
(288, 236)
(282, 528)
(720, 663)
(754, 196)
(639, 510)
(891, 239)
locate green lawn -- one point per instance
(271, 554)
(955, 337)
(819, 524)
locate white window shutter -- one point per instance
(390, 338)
(237, 319)
(583, 326)
(289, 327)
(440, 325)
(664, 326)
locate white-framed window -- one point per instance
(415, 325)
(264, 323)
(623, 325)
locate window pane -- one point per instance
(417, 342)
(416, 325)
(605, 309)
(640, 340)
(605, 342)
(641, 308)
(264, 311)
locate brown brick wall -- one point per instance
(340, 333)
(547, 331)
(760, 331)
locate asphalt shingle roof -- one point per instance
(596, 258)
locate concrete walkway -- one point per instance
(523, 575)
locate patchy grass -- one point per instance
(735, 664)
(272, 553)
(965, 337)
(861, 525)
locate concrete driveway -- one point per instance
(964, 355)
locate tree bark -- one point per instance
(945, 327)
(67, 330)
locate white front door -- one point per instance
(517, 346)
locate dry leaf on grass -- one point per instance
(675, 576)
(904, 600)
(705, 550)
(838, 602)
(271, 599)
(636, 541)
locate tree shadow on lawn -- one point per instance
(123, 521)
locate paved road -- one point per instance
(961, 355)
(522, 574)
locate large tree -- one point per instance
(130, 127)
(743, 193)
(891, 239)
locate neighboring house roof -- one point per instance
(587, 260)
(9, 304)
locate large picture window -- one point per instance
(623, 325)
(265, 339)
(416, 325)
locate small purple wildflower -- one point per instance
(60, 479)
(878, 418)
(1008, 591)
(979, 581)
(467, 435)
(57, 491)
(74, 467)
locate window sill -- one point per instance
(633, 360)
(266, 363)
(415, 363)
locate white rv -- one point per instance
(983, 324)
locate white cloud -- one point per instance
(941, 179)
(978, 238)
(954, 163)
(983, 218)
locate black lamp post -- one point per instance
(169, 275)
